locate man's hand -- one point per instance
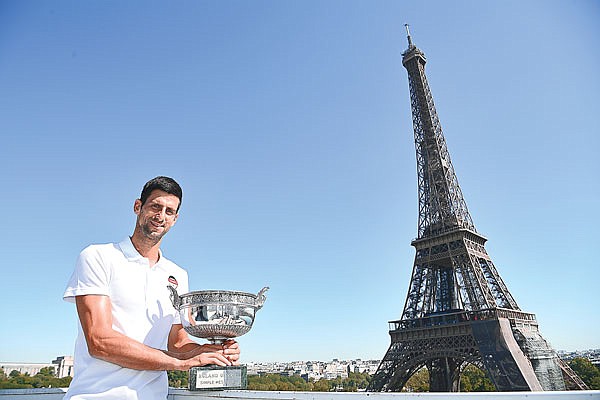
(193, 354)
(210, 354)
(231, 350)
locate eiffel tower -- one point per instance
(458, 310)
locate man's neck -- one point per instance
(146, 247)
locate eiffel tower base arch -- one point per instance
(444, 349)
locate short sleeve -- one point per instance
(91, 275)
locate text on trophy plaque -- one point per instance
(210, 379)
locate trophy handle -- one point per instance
(260, 298)
(175, 299)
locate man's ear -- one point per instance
(137, 206)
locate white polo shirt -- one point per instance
(141, 309)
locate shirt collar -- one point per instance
(131, 253)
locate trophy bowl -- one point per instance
(217, 315)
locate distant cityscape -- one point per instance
(592, 355)
(315, 370)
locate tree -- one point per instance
(587, 371)
(474, 379)
(46, 371)
(418, 382)
(322, 385)
(17, 380)
(178, 379)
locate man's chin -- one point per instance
(154, 236)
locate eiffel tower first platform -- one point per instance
(458, 310)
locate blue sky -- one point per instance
(288, 125)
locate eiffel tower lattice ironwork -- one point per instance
(458, 310)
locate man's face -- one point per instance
(157, 215)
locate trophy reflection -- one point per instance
(217, 315)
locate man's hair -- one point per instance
(163, 183)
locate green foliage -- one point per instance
(47, 371)
(322, 385)
(473, 379)
(418, 382)
(587, 371)
(44, 378)
(357, 381)
(178, 379)
(277, 382)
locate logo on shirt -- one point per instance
(173, 281)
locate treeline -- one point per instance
(472, 380)
(43, 379)
(475, 380)
(277, 382)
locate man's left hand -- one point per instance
(231, 350)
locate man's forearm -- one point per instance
(129, 353)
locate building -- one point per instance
(62, 366)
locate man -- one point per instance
(129, 332)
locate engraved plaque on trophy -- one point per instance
(217, 315)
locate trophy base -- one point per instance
(218, 378)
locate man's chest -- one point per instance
(138, 291)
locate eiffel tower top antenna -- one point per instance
(410, 43)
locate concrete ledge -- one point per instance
(33, 394)
(184, 394)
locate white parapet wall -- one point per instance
(182, 394)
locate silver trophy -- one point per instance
(217, 315)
